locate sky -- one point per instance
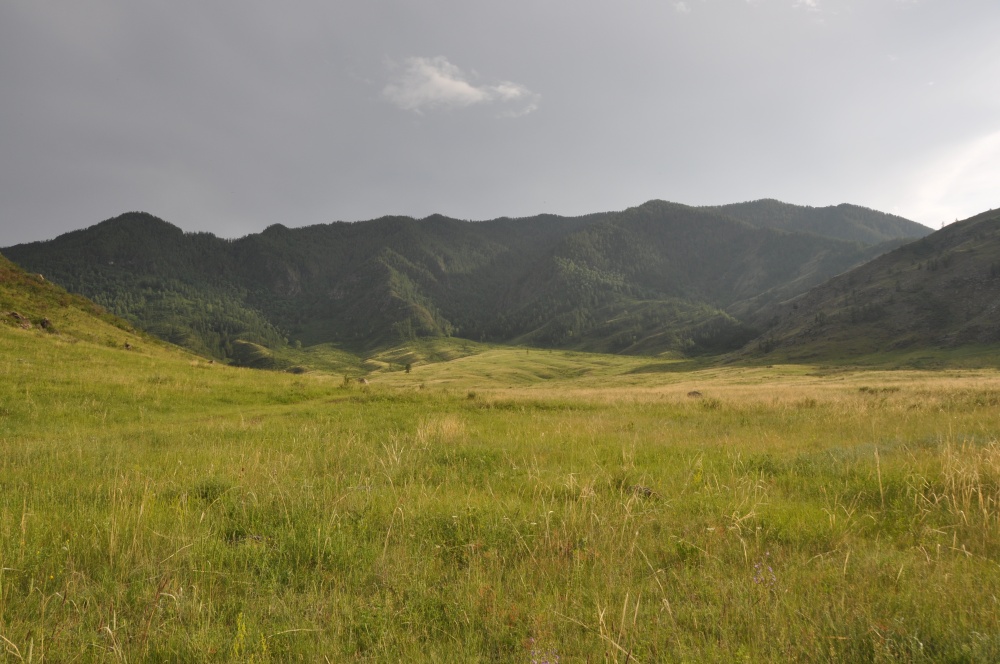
(231, 115)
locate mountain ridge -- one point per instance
(843, 221)
(653, 278)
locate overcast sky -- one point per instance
(231, 115)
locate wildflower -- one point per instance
(539, 656)
(763, 573)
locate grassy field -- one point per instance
(491, 504)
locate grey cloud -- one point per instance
(232, 115)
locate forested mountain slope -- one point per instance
(661, 275)
(657, 277)
(940, 291)
(178, 286)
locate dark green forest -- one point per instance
(658, 277)
(843, 222)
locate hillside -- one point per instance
(658, 277)
(940, 291)
(175, 285)
(31, 303)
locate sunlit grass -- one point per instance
(506, 505)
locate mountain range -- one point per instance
(659, 277)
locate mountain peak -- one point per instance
(141, 220)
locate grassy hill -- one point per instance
(657, 278)
(939, 292)
(35, 306)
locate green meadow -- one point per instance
(492, 505)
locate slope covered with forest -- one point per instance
(657, 277)
(940, 291)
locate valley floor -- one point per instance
(506, 505)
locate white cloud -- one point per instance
(682, 8)
(432, 83)
(811, 5)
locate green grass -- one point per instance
(970, 356)
(495, 505)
